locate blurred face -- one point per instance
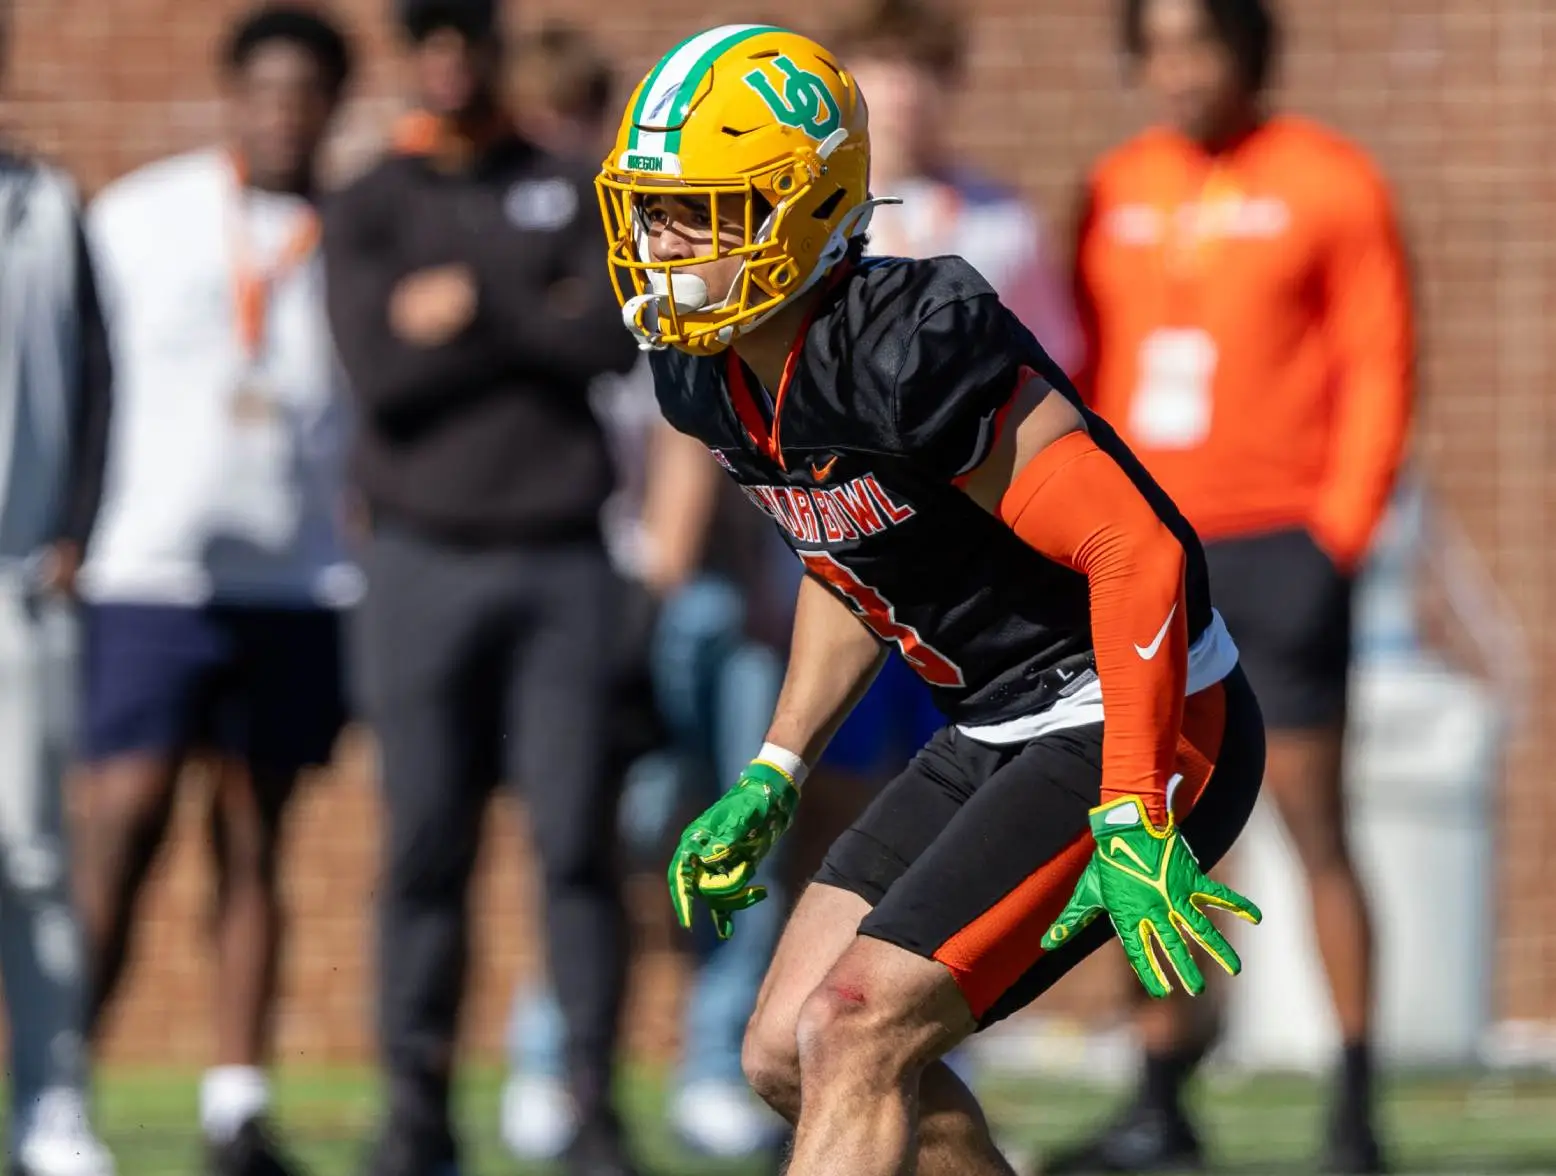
(1190, 73)
(454, 75)
(905, 102)
(681, 228)
(280, 105)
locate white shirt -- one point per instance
(628, 414)
(203, 502)
(995, 232)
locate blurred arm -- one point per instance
(1369, 320)
(92, 408)
(678, 504)
(573, 330)
(1084, 371)
(393, 379)
(1040, 298)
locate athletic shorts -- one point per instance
(263, 684)
(1288, 607)
(970, 854)
(895, 718)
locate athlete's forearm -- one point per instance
(1075, 504)
(833, 658)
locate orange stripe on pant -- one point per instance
(991, 953)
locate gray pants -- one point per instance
(474, 667)
(40, 942)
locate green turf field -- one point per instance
(1442, 1125)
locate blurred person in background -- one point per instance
(692, 554)
(215, 578)
(54, 410)
(473, 314)
(907, 57)
(1244, 297)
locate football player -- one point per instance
(947, 494)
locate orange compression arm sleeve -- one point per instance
(1076, 506)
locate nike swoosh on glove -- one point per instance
(1148, 882)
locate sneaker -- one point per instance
(724, 1120)
(400, 1153)
(537, 1120)
(54, 1138)
(1352, 1148)
(599, 1149)
(1142, 1139)
(253, 1151)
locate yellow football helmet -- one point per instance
(752, 114)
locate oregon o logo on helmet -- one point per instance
(805, 104)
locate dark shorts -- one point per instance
(1288, 607)
(970, 854)
(263, 684)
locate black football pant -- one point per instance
(479, 665)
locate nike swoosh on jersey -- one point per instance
(822, 472)
(1147, 652)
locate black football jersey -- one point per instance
(895, 392)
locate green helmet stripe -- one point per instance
(674, 81)
(698, 71)
(650, 87)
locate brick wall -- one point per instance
(1451, 95)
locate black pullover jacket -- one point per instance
(487, 439)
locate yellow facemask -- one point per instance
(748, 117)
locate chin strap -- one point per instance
(641, 312)
(633, 311)
(854, 223)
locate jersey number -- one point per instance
(1172, 404)
(932, 665)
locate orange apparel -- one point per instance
(1075, 505)
(251, 283)
(1248, 328)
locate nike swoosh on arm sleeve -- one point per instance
(1075, 505)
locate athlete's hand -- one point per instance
(719, 852)
(1147, 881)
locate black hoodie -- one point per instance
(489, 438)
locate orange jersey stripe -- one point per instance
(1076, 506)
(1249, 330)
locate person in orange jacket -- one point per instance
(1243, 294)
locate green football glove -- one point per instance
(1147, 881)
(719, 852)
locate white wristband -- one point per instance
(785, 761)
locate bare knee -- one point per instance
(1303, 777)
(1321, 849)
(245, 820)
(862, 1029)
(131, 805)
(1317, 835)
(770, 1057)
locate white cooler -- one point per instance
(1422, 764)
